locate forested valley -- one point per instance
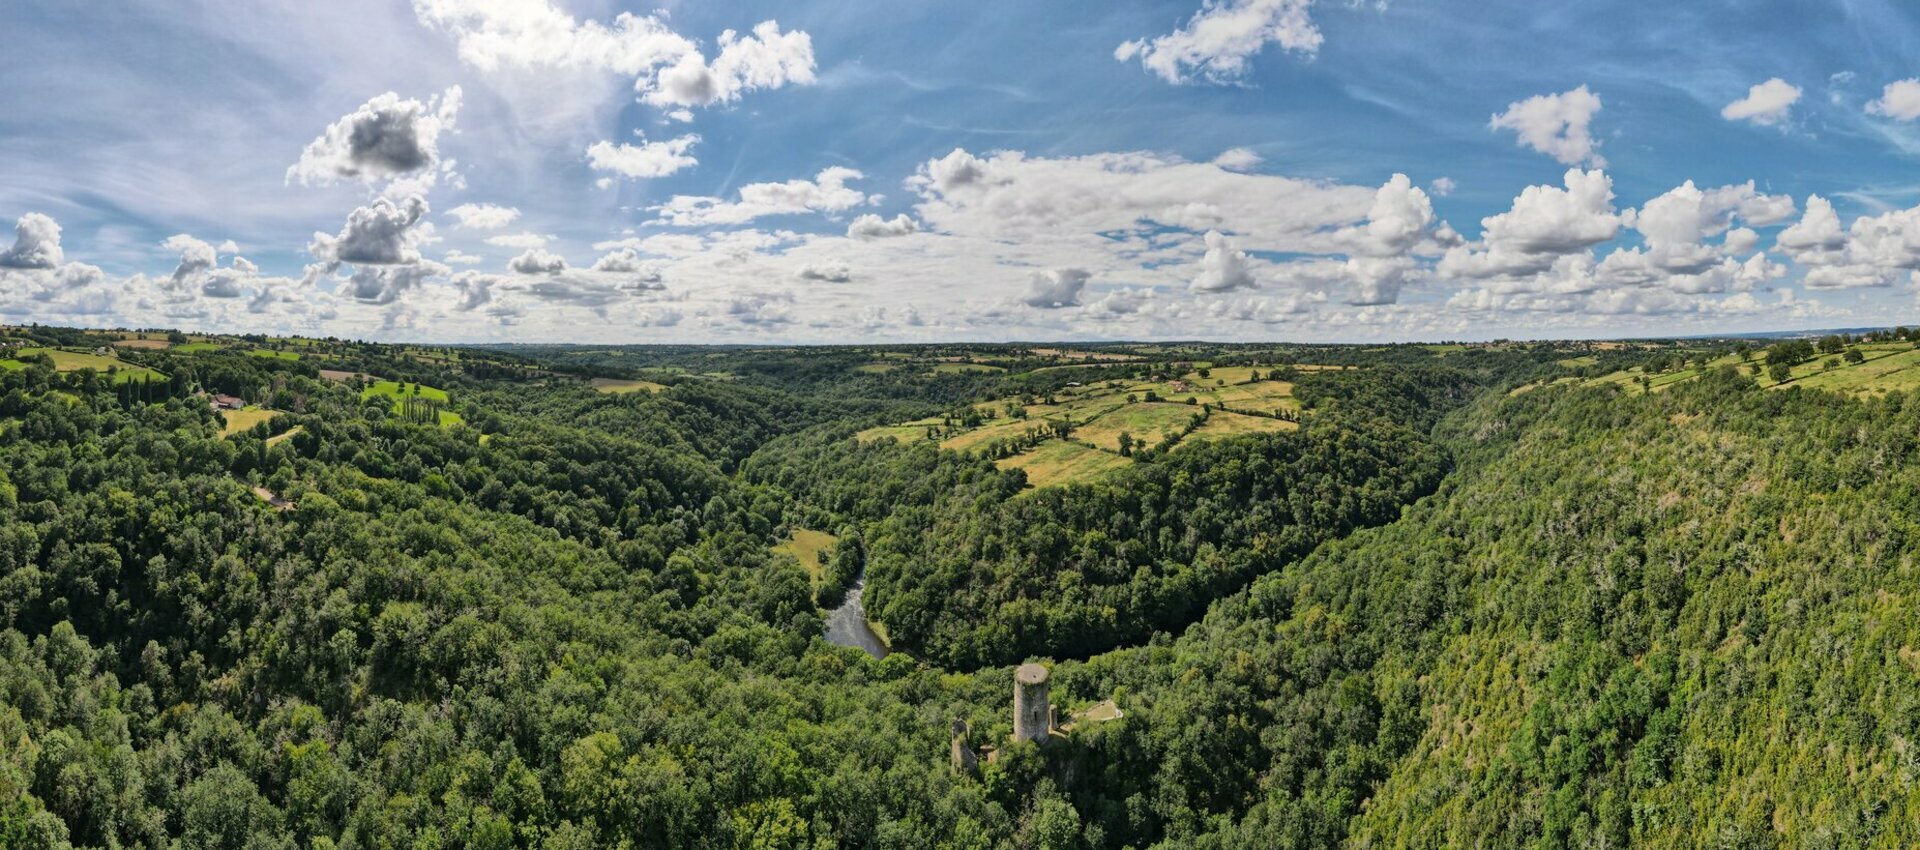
(275, 593)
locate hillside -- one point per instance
(1439, 613)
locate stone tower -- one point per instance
(1032, 715)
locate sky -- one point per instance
(909, 170)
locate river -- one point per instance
(847, 624)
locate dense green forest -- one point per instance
(1502, 595)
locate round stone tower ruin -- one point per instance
(1032, 714)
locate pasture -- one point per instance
(810, 548)
(620, 386)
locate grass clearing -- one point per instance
(962, 368)
(149, 344)
(1222, 424)
(241, 421)
(619, 386)
(73, 361)
(1003, 430)
(1056, 462)
(271, 354)
(811, 548)
(286, 435)
(196, 347)
(1148, 423)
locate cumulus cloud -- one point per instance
(1400, 219)
(1878, 250)
(870, 226)
(475, 288)
(196, 257)
(1818, 237)
(643, 161)
(1676, 224)
(1224, 268)
(1766, 103)
(1011, 196)
(1900, 100)
(484, 216)
(381, 233)
(376, 284)
(1544, 224)
(1219, 41)
(36, 243)
(538, 261)
(1055, 288)
(622, 260)
(385, 138)
(829, 271)
(1557, 125)
(1442, 186)
(669, 69)
(767, 59)
(1238, 159)
(827, 193)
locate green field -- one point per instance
(809, 547)
(240, 421)
(1148, 423)
(195, 348)
(1223, 424)
(401, 392)
(1056, 463)
(618, 386)
(964, 368)
(70, 361)
(1100, 413)
(271, 354)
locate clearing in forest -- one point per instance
(811, 548)
(1149, 412)
(71, 361)
(241, 421)
(1056, 463)
(621, 386)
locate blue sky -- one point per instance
(553, 170)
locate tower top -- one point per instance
(1030, 674)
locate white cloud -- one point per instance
(462, 258)
(1224, 268)
(1676, 224)
(1055, 288)
(1557, 125)
(538, 261)
(829, 271)
(1217, 42)
(1442, 186)
(870, 226)
(643, 161)
(1900, 100)
(196, 257)
(768, 59)
(1817, 238)
(1544, 224)
(827, 193)
(1032, 200)
(376, 284)
(669, 69)
(1766, 103)
(627, 261)
(36, 243)
(1876, 250)
(484, 216)
(1238, 159)
(381, 233)
(385, 138)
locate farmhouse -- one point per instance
(226, 402)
